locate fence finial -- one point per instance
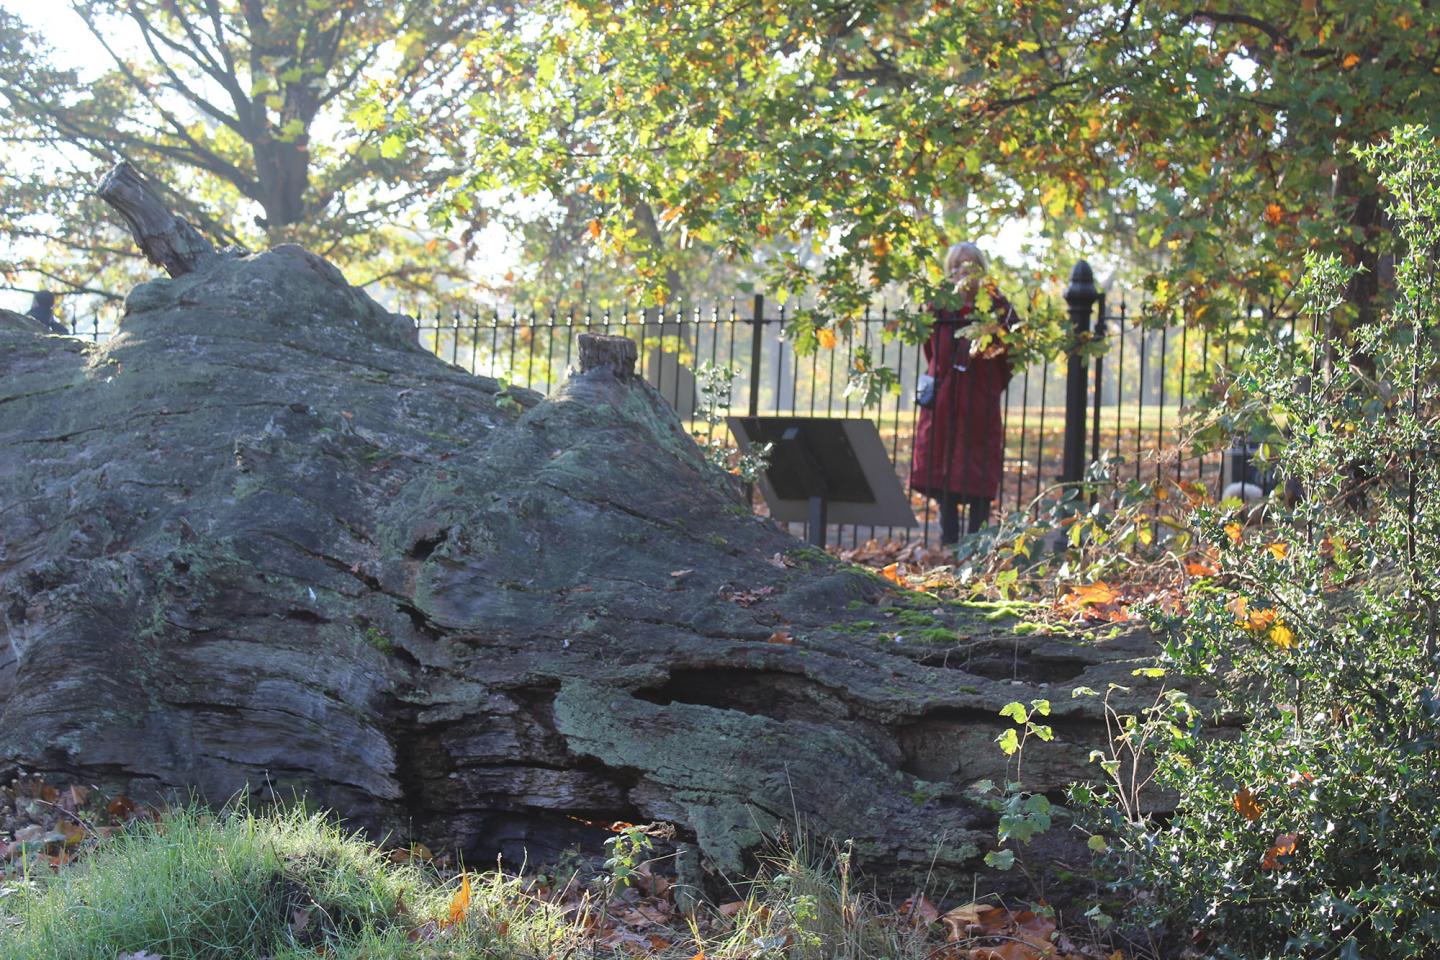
(1082, 287)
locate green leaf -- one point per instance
(1009, 742)
(392, 146)
(1000, 859)
(1015, 711)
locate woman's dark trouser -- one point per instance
(979, 512)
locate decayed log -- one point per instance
(166, 240)
(260, 541)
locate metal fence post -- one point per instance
(1081, 296)
(757, 344)
(1100, 333)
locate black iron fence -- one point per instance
(1123, 398)
(1136, 381)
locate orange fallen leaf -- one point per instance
(1246, 805)
(1274, 213)
(1196, 569)
(1284, 847)
(461, 901)
(594, 229)
(921, 911)
(974, 920)
(731, 909)
(780, 636)
(1349, 62)
(892, 573)
(1233, 530)
(1090, 594)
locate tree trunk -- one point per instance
(261, 541)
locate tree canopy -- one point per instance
(1210, 146)
(255, 111)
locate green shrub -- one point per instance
(1315, 831)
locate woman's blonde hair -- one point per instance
(967, 251)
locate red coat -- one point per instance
(960, 441)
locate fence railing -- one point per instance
(1058, 414)
(1129, 406)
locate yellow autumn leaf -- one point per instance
(826, 338)
(1281, 636)
(1233, 531)
(1278, 550)
(880, 245)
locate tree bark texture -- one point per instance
(261, 541)
(166, 240)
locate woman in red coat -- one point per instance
(959, 439)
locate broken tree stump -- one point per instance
(166, 240)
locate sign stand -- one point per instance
(826, 470)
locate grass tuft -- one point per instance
(293, 885)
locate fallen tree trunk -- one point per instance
(261, 541)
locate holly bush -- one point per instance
(1312, 828)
